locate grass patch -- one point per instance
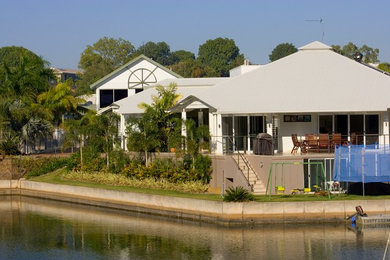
(56, 177)
(312, 197)
(148, 183)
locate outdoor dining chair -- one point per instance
(336, 141)
(323, 142)
(310, 143)
(296, 144)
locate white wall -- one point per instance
(299, 128)
(121, 80)
(242, 70)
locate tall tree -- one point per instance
(103, 57)
(23, 76)
(221, 55)
(180, 56)
(159, 52)
(282, 50)
(192, 69)
(370, 55)
(349, 50)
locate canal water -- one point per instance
(44, 229)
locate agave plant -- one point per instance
(238, 194)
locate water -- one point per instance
(42, 229)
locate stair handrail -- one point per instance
(248, 166)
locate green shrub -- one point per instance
(39, 166)
(170, 170)
(238, 194)
(9, 145)
(202, 168)
(92, 159)
(74, 162)
(118, 160)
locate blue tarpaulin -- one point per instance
(359, 163)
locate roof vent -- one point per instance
(358, 57)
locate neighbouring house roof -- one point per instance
(89, 101)
(314, 79)
(61, 70)
(129, 65)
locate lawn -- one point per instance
(56, 178)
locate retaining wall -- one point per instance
(199, 210)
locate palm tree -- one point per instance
(35, 129)
(151, 131)
(197, 138)
(142, 136)
(23, 76)
(57, 101)
(108, 126)
(78, 130)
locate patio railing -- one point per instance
(233, 144)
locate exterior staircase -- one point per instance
(243, 164)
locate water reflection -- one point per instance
(41, 229)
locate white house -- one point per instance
(314, 90)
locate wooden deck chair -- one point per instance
(336, 141)
(323, 142)
(356, 138)
(311, 142)
(296, 144)
(353, 139)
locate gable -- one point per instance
(141, 72)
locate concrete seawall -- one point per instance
(195, 209)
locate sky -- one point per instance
(59, 31)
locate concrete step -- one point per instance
(259, 192)
(259, 185)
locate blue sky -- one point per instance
(59, 31)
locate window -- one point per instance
(297, 118)
(256, 125)
(106, 97)
(326, 124)
(109, 96)
(341, 125)
(120, 94)
(227, 126)
(372, 129)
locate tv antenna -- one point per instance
(321, 21)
